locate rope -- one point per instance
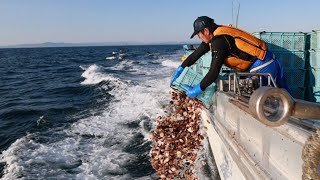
(311, 157)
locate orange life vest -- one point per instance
(184, 57)
(244, 41)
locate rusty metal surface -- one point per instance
(307, 110)
(243, 104)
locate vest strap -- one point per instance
(263, 65)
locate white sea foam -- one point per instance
(171, 63)
(83, 67)
(111, 58)
(40, 120)
(93, 75)
(122, 65)
(126, 65)
(93, 147)
(133, 102)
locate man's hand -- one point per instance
(192, 92)
(176, 74)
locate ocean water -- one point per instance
(80, 112)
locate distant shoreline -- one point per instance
(58, 45)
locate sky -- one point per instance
(144, 21)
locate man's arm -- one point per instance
(220, 51)
(192, 58)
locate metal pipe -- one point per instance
(229, 82)
(267, 115)
(285, 108)
(306, 110)
(234, 83)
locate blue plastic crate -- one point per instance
(297, 92)
(280, 41)
(291, 60)
(295, 78)
(205, 70)
(206, 64)
(192, 78)
(224, 70)
(188, 47)
(315, 39)
(197, 66)
(314, 58)
(189, 77)
(206, 60)
(313, 78)
(316, 93)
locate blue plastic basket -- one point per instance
(197, 66)
(316, 93)
(315, 39)
(291, 60)
(314, 58)
(297, 92)
(223, 71)
(192, 78)
(295, 78)
(280, 41)
(206, 60)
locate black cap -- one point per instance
(200, 23)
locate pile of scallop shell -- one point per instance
(177, 139)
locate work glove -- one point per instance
(176, 74)
(192, 92)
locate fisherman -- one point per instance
(232, 47)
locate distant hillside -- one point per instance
(62, 44)
(46, 44)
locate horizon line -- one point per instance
(67, 44)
